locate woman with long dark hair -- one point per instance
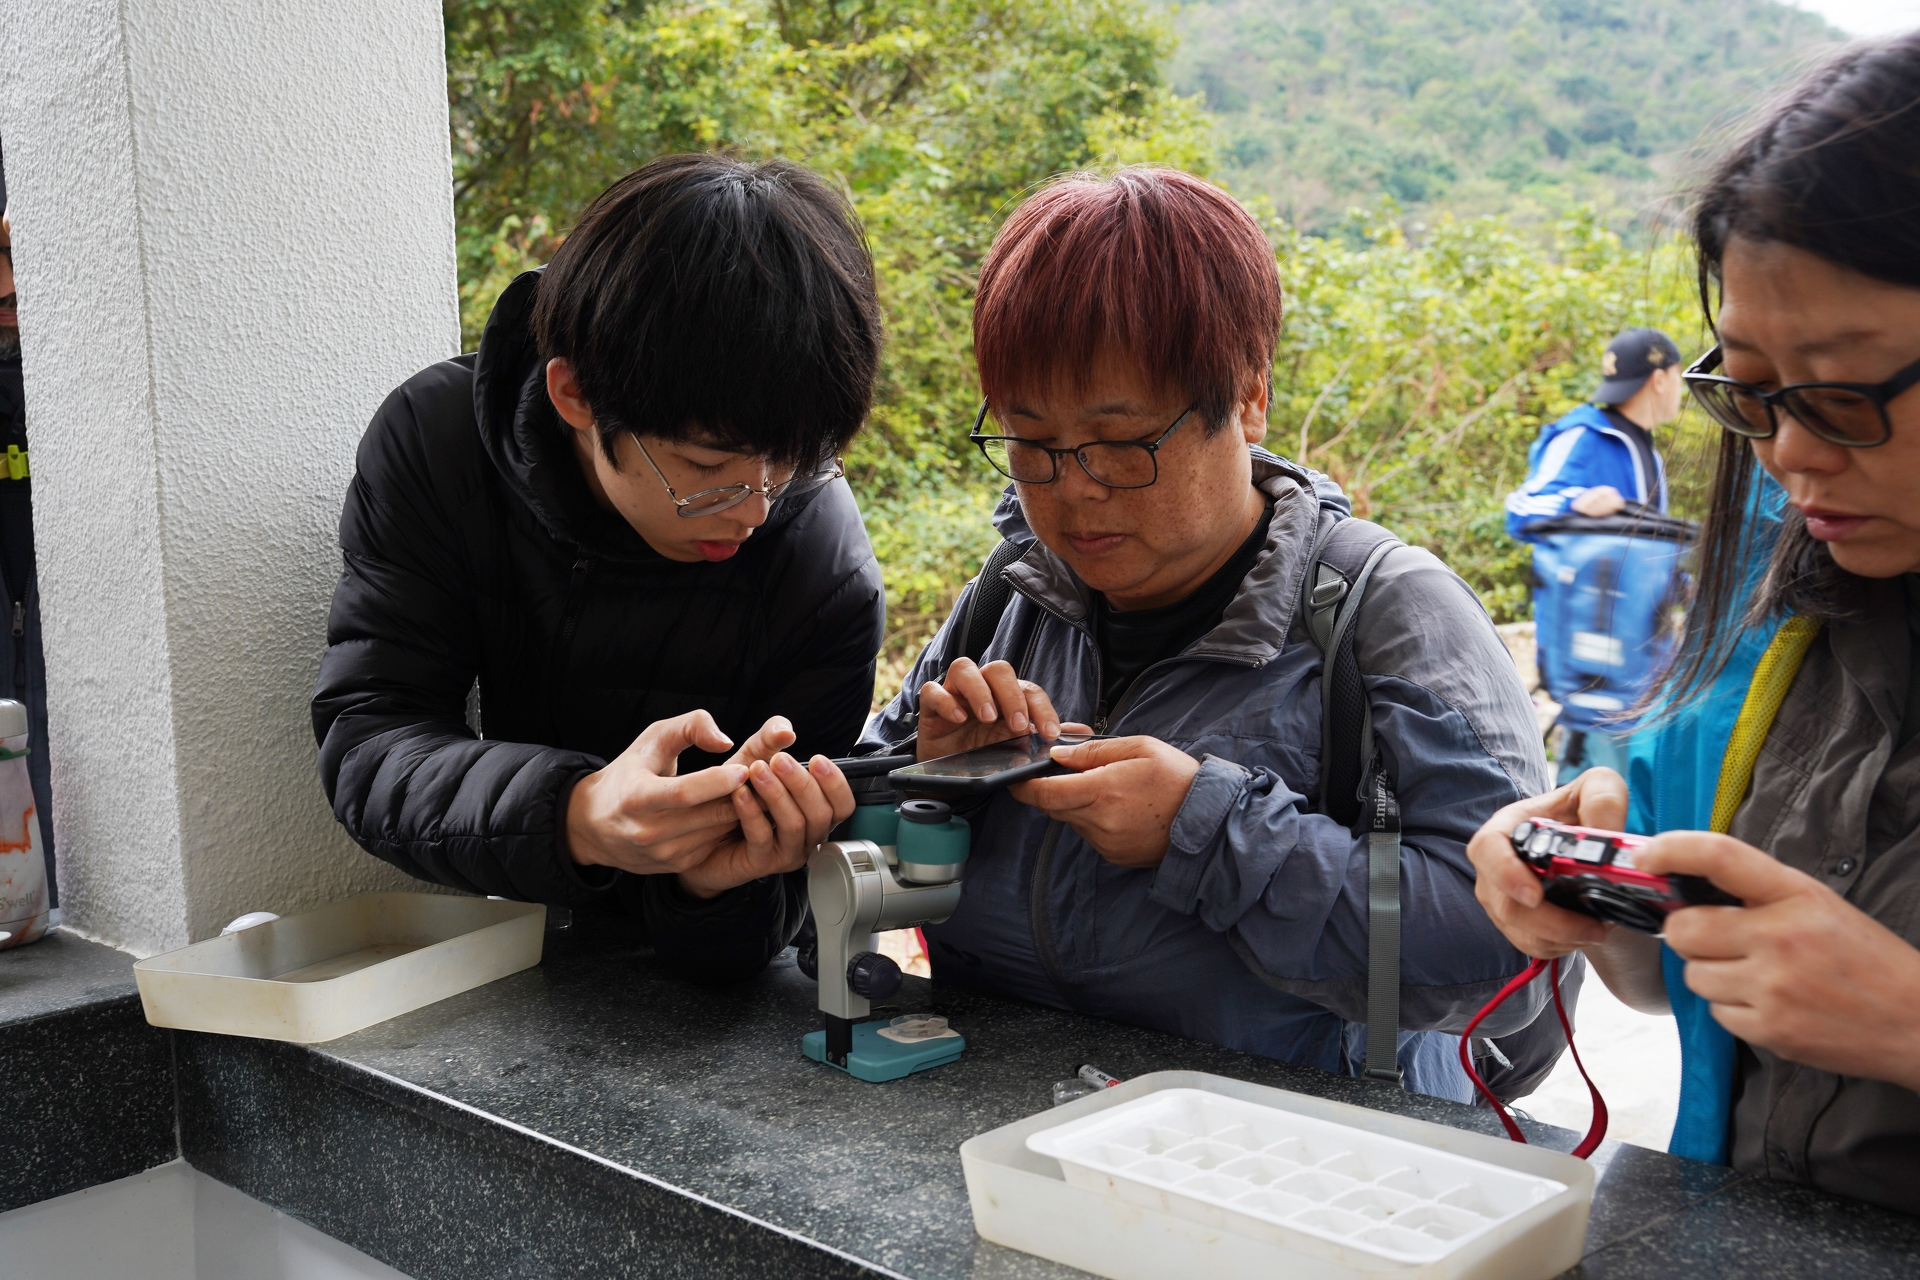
(1783, 758)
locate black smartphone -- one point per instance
(985, 769)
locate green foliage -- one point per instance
(1419, 360)
(937, 115)
(1516, 106)
(1416, 374)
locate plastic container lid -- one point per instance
(13, 718)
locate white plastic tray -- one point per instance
(1182, 1173)
(343, 967)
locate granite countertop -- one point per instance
(706, 1090)
(58, 973)
(596, 1116)
(89, 1084)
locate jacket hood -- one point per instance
(529, 445)
(1257, 621)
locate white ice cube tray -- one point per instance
(1274, 1175)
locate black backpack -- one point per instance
(1355, 790)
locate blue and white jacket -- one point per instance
(1582, 451)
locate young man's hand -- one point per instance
(785, 812)
(635, 814)
(1798, 969)
(1121, 798)
(706, 827)
(977, 706)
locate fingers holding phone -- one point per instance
(973, 706)
(1121, 796)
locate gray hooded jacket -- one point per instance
(1252, 933)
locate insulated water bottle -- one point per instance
(23, 867)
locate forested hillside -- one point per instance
(1483, 106)
(1421, 353)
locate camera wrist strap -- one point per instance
(1598, 1129)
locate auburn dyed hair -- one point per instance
(1162, 266)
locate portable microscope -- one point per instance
(896, 865)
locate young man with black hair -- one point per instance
(623, 518)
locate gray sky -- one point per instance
(1867, 17)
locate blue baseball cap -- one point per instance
(1630, 360)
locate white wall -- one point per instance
(233, 235)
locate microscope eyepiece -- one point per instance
(930, 812)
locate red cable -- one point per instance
(1597, 1131)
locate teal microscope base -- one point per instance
(876, 1058)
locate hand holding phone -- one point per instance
(985, 769)
(974, 706)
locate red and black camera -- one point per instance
(1592, 872)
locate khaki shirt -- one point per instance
(1835, 795)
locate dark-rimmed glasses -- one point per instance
(1117, 464)
(709, 502)
(1850, 414)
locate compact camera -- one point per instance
(1592, 872)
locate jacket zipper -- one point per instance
(20, 649)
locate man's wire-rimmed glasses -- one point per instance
(709, 502)
(1117, 464)
(1850, 414)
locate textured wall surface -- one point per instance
(233, 234)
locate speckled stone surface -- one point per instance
(1752, 1227)
(89, 1084)
(58, 974)
(597, 1117)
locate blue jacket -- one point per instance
(1673, 772)
(1253, 932)
(1581, 451)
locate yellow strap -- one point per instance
(17, 463)
(1771, 680)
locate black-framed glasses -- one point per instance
(1850, 414)
(709, 502)
(1117, 464)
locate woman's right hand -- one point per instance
(976, 706)
(1510, 891)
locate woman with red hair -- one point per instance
(1187, 875)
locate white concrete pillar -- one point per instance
(233, 233)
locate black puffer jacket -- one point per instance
(481, 553)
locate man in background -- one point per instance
(23, 676)
(1597, 462)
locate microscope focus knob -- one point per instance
(873, 976)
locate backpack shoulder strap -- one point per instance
(1336, 582)
(991, 595)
